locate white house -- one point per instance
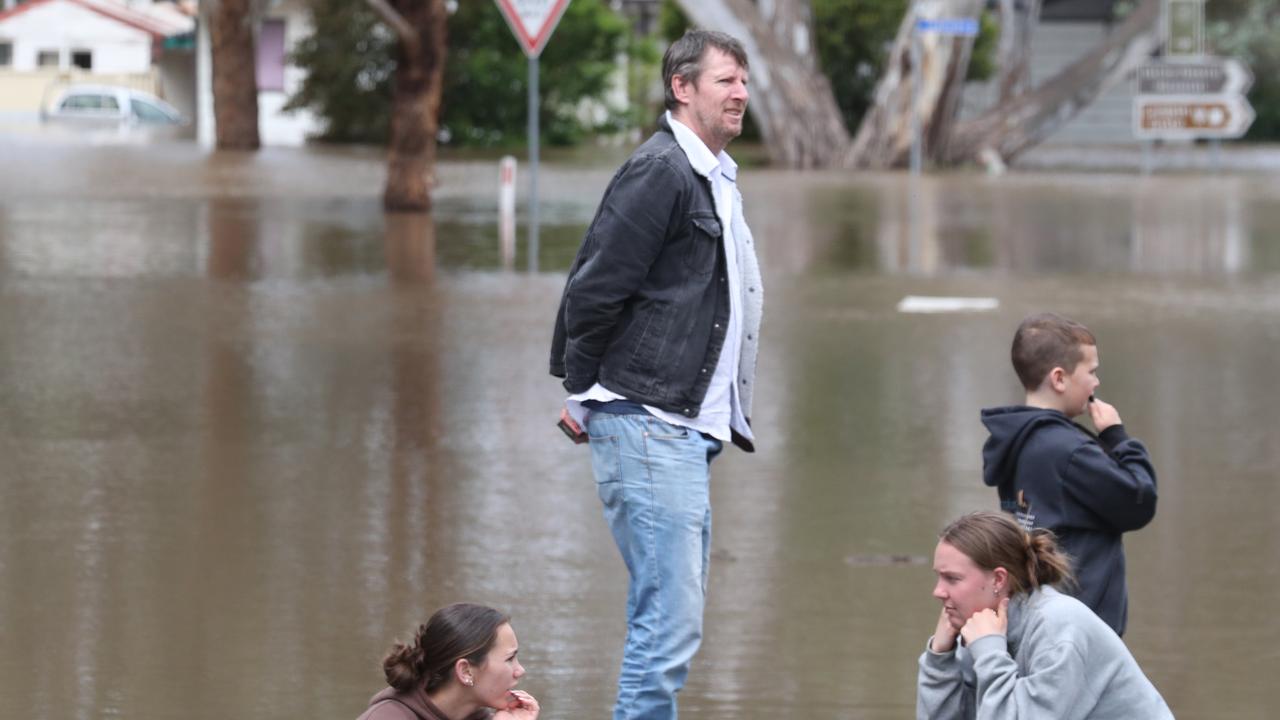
(283, 24)
(45, 44)
(150, 45)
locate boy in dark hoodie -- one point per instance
(1052, 473)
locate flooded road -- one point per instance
(253, 429)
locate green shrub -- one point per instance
(349, 61)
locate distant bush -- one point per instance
(349, 63)
(1249, 30)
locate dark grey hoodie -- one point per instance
(1052, 473)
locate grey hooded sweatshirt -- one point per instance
(1057, 660)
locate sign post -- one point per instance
(961, 26)
(1201, 98)
(956, 27)
(532, 22)
(1204, 76)
(1184, 28)
(1187, 117)
(507, 211)
(1187, 94)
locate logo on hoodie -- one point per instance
(1020, 509)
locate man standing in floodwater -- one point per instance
(656, 339)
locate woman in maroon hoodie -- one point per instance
(461, 665)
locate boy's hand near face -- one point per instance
(1103, 414)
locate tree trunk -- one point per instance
(415, 102)
(884, 138)
(235, 81)
(1011, 127)
(1018, 19)
(791, 100)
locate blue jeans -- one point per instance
(654, 481)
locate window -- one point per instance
(270, 63)
(82, 102)
(47, 58)
(90, 103)
(6, 54)
(148, 113)
(82, 59)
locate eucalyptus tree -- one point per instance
(235, 83)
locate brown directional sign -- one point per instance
(1192, 116)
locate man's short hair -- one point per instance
(1044, 342)
(684, 58)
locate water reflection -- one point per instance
(312, 427)
(928, 227)
(935, 225)
(409, 244)
(250, 437)
(1181, 230)
(231, 241)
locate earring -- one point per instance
(468, 682)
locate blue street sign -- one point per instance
(967, 27)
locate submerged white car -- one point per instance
(112, 107)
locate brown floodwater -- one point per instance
(253, 429)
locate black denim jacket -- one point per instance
(646, 305)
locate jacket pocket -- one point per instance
(647, 340)
(704, 240)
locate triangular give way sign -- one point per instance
(532, 21)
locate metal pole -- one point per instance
(533, 164)
(916, 140)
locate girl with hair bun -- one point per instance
(1009, 645)
(461, 665)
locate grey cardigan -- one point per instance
(1057, 660)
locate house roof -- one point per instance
(159, 22)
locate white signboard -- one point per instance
(1206, 75)
(532, 21)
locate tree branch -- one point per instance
(1023, 121)
(408, 37)
(1018, 21)
(791, 100)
